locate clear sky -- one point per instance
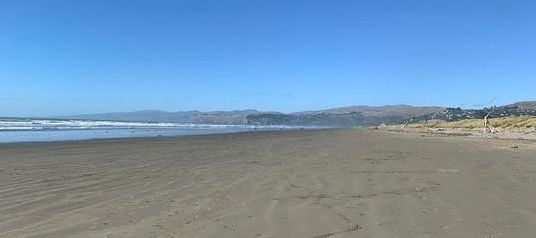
(86, 56)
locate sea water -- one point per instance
(32, 130)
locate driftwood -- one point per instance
(487, 126)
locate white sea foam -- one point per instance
(27, 130)
(42, 124)
(39, 124)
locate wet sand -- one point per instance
(313, 184)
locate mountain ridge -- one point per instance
(340, 116)
(347, 116)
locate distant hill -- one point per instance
(457, 114)
(345, 116)
(398, 110)
(216, 117)
(530, 105)
(375, 115)
(339, 117)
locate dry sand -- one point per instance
(313, 184)
(499, 133)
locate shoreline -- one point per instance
(163, 136)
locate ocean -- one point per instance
(34, 130)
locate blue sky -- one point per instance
(70, 57)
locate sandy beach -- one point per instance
(312, 184)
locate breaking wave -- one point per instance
(54, 124)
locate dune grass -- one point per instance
(501, 122)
